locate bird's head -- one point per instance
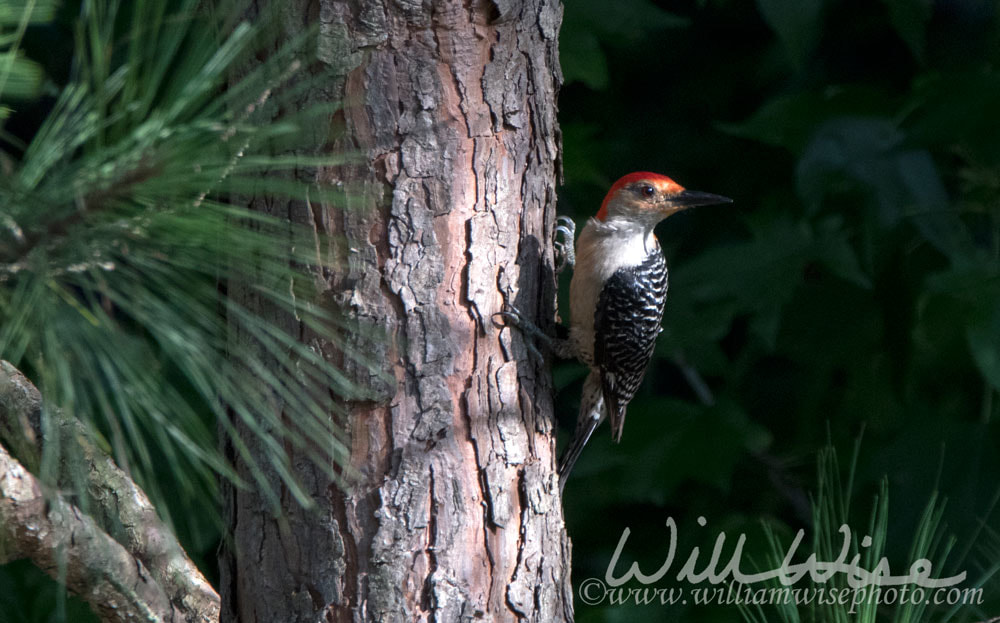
(647, 198)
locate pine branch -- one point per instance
(69, 546)
(149, 545)
(94, 202)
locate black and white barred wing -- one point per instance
(626, 323)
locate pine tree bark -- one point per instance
(456, 513)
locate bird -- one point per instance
(617, 295)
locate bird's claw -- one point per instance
(565, 250)
(567, 222)
(535, 353)
(512, 317)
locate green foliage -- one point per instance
(797, 23)
(910, 18)
(136, 289)
(853, 284)
(588, 26)
(123, 226)
(20, 77)
(867, 546)
(27, 596)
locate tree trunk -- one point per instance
(456, 514)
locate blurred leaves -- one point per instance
(984, 343)
(866, 547)
(975, 290)
(648, 456)
(868, 157)
(910, 18)
(583, 60)
(137, 290)
(726, 281)
(798, 24)
(27, 11)
(589, 25)
(789, 120)
(27, 595)
(854, 283)
(957, 108)
(20, 77)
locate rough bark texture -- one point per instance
(456, 514)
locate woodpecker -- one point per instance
(617, 295)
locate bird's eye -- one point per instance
(647, 190)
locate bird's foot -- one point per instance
(564, 244)
(514, 318)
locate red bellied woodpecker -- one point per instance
(617, 295)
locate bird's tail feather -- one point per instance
(591, 414)
(575, 448)
(616, 413)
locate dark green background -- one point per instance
(850, 292)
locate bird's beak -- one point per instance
(692, 198)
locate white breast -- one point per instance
(601, 250)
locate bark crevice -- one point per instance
(455, 516)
